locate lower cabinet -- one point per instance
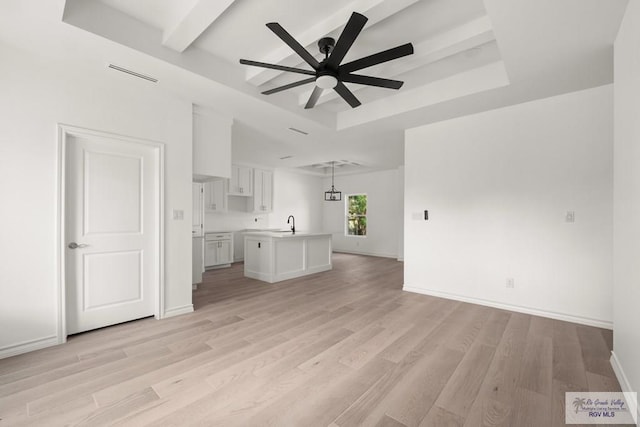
(275, 256)
(218, 249)
(257, 255)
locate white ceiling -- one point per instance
(470, 56)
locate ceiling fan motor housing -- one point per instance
(326, 45)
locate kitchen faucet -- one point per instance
(293, 227)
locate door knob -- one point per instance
(74, 245)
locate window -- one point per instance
(357, 215)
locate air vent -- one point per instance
(299, 131)
(133, 73)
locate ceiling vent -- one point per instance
(133, 73)
(299, 131)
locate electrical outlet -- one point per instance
(510, 283)
(570, 216)
(178, 214)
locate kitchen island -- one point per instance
(276, 256)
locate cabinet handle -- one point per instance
(258, 245)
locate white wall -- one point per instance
(626, 301)
(36, 96)
(497, 186)
(299, 195)
(384, 212)
(234, 220)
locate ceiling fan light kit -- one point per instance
(329, 73)
(326, 82)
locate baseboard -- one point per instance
(517, 308)
(625, 385)
(617, 368)
(27, 346)
(340, 251)
(177, 311)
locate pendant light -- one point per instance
(332, 195)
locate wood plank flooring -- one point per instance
(341, 348)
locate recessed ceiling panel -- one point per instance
(161, 14)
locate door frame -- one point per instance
(64, 132)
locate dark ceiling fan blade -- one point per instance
(347, 95)
(317, 91)
(289, 86)
(277, 67)
(377, 58)
(293, 44)
(349, 34)
(371, 81)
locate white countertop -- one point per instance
(285, 234)
(242, 230)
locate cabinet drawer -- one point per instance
(217, 236)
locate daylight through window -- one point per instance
(357, 215)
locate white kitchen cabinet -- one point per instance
(257, 256)
(218, 249)
(241, 182)
(211, 145)
(215, 197)
(276, 256)
(197, 211)
(262, 191)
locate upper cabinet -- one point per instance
(241, 182)
(262, 191)
(211, 145)
(215, 197)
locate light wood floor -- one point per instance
(342, 348)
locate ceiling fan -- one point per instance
(328, 73)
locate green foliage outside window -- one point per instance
(357, 215)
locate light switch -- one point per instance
(178, 214)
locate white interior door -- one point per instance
(112, 225)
